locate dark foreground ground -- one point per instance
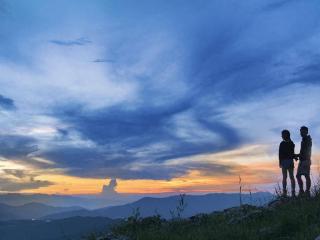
(75, 228)
(284, 218)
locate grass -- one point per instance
(289, 218)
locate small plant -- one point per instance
(182, 205)
(240, 190)
(278, 192)
(136, 215)
(315, 191)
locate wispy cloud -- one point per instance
(101, 60)
(8, 185)
(17, 177)
(76, 42)
(15, 146)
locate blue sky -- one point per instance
(130, 90)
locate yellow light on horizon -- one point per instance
(253, 174)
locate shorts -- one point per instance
(304, 168)
(287, 164)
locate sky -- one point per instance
(141, 97)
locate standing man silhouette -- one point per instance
(304, 160)
(286, 155)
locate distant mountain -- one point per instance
(30, 211)
(149, 206)
(71, 228)
(85, 201)
(18, 199)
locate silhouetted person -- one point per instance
(305, 160)
(286, 155)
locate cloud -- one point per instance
(275, 5)
(76, 42)
(15, 172)
(7, 185)
(16, 146)
(101, 60)
(285, 110)
(110, 189)
(125, 139)
(6, 103)
(13, 180)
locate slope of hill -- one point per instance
(30, 211)
(150, 206)
(284, 218)
(72, 228)
(18, 199)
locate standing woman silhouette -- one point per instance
(286, 156)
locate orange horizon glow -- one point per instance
(254, 174)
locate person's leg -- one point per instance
(299, 180)
(308, 183)
(293, 182)
(300, 183)
(284, 180)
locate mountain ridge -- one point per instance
(30, 211)
(149, 206)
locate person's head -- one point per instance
(285, 135)
(304, 131)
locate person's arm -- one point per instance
(294, 156)
(280, 151)
(308, 153)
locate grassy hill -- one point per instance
(285, 218)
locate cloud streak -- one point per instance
(76, 42)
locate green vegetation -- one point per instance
(285, 218)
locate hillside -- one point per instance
(30, 211)
(284, 218)
(149, 206)
(84, 201)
